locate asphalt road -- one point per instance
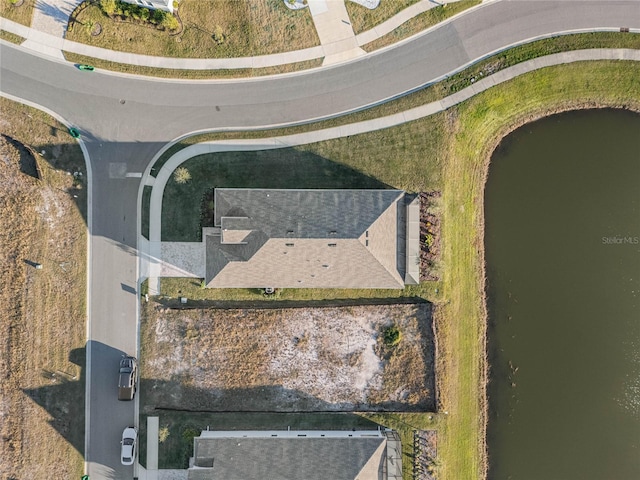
(125, 121)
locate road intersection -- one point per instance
(125, 121)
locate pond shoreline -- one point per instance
(486, 156)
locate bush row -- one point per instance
(131, 11)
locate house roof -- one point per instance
(289, 458)
(307, 238)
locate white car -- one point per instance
(129, 440)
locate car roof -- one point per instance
(127, 361)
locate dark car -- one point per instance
(127, 378)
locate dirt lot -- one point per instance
(42, 311)
(284, 360)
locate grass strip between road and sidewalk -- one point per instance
(450, 151)
(193, 74)
(11, 37)
(420, 23)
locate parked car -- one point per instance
(74, 132)
(129, 441)
(88, 68)
(127, 378)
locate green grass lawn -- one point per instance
(450, 152)
(21, 14)
(258, 27)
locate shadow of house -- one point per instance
(64, 400)
(285, 168)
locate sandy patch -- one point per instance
(296, 359)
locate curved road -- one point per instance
(126, 120)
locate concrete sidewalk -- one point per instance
(51, 17)
(333, 25)
(338, 42)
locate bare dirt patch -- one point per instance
(285, 360)
(42, 311)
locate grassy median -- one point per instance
(450, 151)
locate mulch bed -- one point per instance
(425, 447)
(429, 236)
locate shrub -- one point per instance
(188, 434)
(109, 6)
(392, 336)
(181, 175)
(170, 22)
(218, 35)
(163, 434)
(145, 14)
(158, 16)
(428, 240)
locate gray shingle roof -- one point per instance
(283, 238)
(289, 458)
(304, 213)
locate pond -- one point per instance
(563, 268)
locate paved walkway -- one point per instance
(51, 17)
(156, 256)
(334, 29)
(338, 41)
